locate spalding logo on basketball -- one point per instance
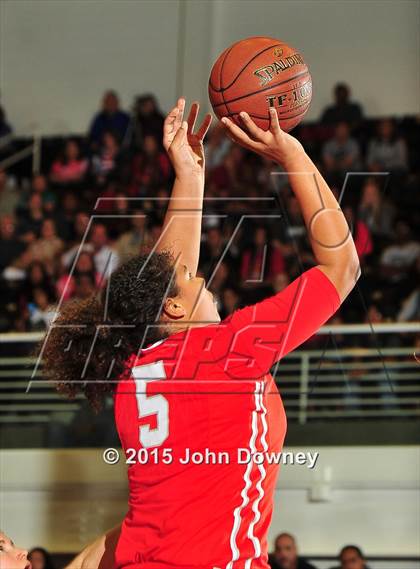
(257, 73)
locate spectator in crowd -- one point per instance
(410, 306)
(5, 128)
(271, 175)
(218, 281)
(155, 232)
(106, 259)
(39, 185)
(398, 258)
(280, 282)
(80, 227)
(49, 245)
(135, 240)
(6, 132)
(41, 312)
(110, 119)
(343, 110)
(285, 555)
(6, 135)
(85, 267)
(11, 247)
(70, 167)
(150, 169)
(37, 277)
(116, 202)
(292, 232)
(228, 173)
(375, 211)
(361, 234)
(374, 315)
(40, 558)
(211, 251)
(49, 198)
(351, 557)
(30, 222)
(230, 301)
(148, 119)
(217, 146)
(105, 161)
(262, 260)
(85, 286)
(3, 182)
(387, 152)
(64, 217)
(81, 224)
(341, 154)
(410, 309)
(12, 557)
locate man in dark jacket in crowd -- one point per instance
(343, 109)
(285, 555)
(110, 119)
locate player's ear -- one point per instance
(173, 309)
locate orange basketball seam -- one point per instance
(282, 115)
(227, 51)
(220, 78)
(243, 68)
(264, 89)
(255, 116)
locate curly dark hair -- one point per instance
(90, 341)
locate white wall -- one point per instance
(62, 499)
(373, 493)
(58, 57)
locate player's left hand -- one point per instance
(274, 143)
(184, 147)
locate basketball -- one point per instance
(257, 73)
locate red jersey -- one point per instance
(192, 414)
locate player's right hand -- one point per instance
(184, 147)
(273, 143)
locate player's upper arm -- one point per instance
(263, 333)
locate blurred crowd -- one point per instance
(254, 241)
(285, 555)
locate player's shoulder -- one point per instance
(180, 344)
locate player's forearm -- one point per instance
(328, 231)
(181, 231)
(100, 553)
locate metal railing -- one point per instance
(350, 383)
(33, 149)
(337, 383)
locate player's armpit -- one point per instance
(267, 331)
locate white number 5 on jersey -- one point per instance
(151, 405)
